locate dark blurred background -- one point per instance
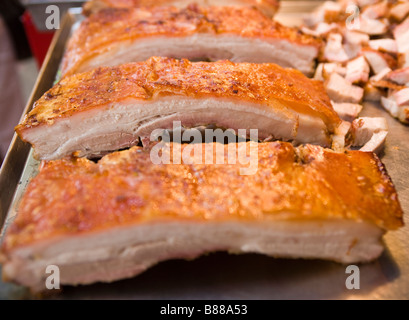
(23, 47)
(11, 12)
(13, 47)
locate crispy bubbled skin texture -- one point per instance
(268, 7)
(256, 83)
(111, 26)
(307, 183)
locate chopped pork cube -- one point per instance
(399, 11)
(373, 26)
(376, 143)
(347, 111)
(377, 10)
(355, 37)
(341, 90)
(401, 35)
(399, 112)
(357, 70)
(381, 75)
(324, 28)
(364, 3)
(324, 70)
(364, 127)
(378, 60)
(387, 45)
(399, 76)
(318, 15)
(402, 97)
(334, 50)
(369, 133)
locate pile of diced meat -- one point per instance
(366, 57)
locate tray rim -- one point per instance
(18, 155)
(18, 151)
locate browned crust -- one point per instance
(268, 7)
(258, 83)
(310, 183)
(335, 17)
(387, 84)
(102, 31)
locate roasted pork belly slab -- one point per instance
(114, 219)
(115, 36)
(112, 107)
(268, 7)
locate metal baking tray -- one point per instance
(220, 275)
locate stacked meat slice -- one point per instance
(115, 36)
(83, 115)
(366, 56)
(302, 202)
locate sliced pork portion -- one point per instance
(300, 202)
(268, 7)
(112, 107)
(116, 36)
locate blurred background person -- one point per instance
(13, 46)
